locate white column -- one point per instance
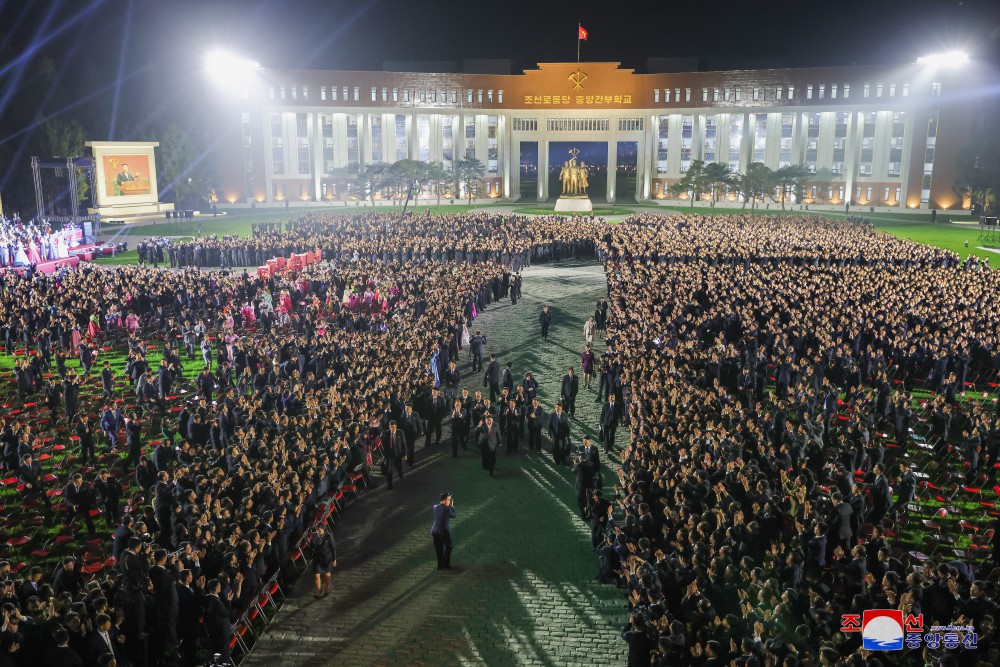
(543, 168)
(612, 167)
(316, 146)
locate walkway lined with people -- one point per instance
(524, 589)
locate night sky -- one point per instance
(125, 68)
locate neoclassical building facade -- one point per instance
(887, 137)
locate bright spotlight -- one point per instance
(944, 59)
(226, 65)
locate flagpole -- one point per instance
(578, 26)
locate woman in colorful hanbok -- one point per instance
(132, 322)
(33, 256)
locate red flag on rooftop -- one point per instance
(583, 33)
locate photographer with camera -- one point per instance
(587, 468)
(443, 513)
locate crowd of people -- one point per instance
(301, 374)
(764, 369)
(775, 440)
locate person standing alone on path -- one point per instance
(601, 316)
(443, 513)
(545, 319)
(610, 417)
(587, 361)
(570, 388)
(491, 378)
(324, 559)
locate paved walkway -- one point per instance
(524, 591)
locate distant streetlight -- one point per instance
(224, 65)
(944, 59)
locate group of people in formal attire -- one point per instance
(770, 366)
(752, 360)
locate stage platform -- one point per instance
(81, 253)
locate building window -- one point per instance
(868, 91)
(322, 93)
(739, 93)
(282, 92)
(385, 94)
(833, 91)
(809, 92)
(906, 90)
(301, 125)
(468, 95)
(345, 94)
(489, 96)
(666, 96)
(333, 93)
(423, 138)
(479, 96)
(687, 94)
(822, 91)
(677, 94)
(454, 97)
(400, 137)
(395, 94)
(791, 92)
(493, 145)
(728, 94)
(500, 97)
(406, 95)
(305, 92)
(777, 93)
(868, 193)
(357, 93)
(756, 92)
(892, 90)
(898, 191)
(936, 89)
(878, 90)
(704, 94)
(847, 90)
(656, 96)
(715, 94)
(295, 91)
(375, 123)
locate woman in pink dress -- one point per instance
(33, 255)
(93, 328)
(132, 322)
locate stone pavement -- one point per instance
(524, 590)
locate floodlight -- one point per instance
(226, 65)
(944, 59)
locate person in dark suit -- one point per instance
(109, 424)
(443, 513)
(583, 468)
(110, 493)
(459, 428)
(107, 382)
(394, 450)
(217, 624)
(600, 516)
(61, 655)
(906, 486)
(105, 639)
(85, 433)
(491, 378)
(815, 548)
(489, 441)
(545, 321)
(437, 411)
(188, 616)
(29, 474)
(71, 396)
(559, 433)
(412, 426)
(535, 418)
(477, 348)
(611, 415)
(123, 533)
(881, 496)
(133, 438)
(570, 388)
(79, 498)
(839, 522)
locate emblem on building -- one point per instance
(578, 78)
